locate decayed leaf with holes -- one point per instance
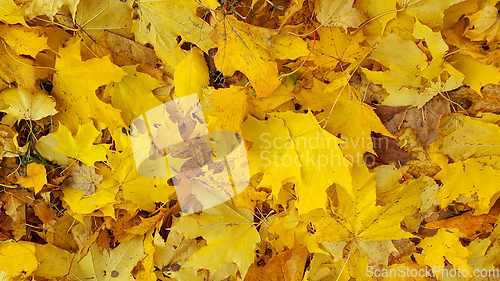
(25, 105)
(359, 218)
(25, 41)
(16, 257)
(445, 245)
(191, 75)
(81, 146)
(75, 83)
(36, 178)
(113, 15)
(474, 178)
(133, 94)
(244, 47)
(161, 22)
(338, 13)
(230, 233)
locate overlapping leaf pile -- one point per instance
(371, 127)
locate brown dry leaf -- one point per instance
(289, 266)
(123, 51)
(83, 178)
(7, 145)
(387, 150)
(473, 103)
(468, 224)
(425, 120)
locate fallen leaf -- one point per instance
(288, 265)
(25, 105)
(81, 146)
(16, 257)
(36, 177)
(244, 49)
(191, 75)
(445, 245)
(230, 233)
(75, 83)
(83, 178)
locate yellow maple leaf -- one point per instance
(338, 13)
(437, 47)
(359, 217)
(133, 94)
(93, 17)
(231, 105)
(444, 245)
(244, 47)
(75, 83)
(346, 119)
(25, 41)
(292, 147)
(337, 47)
(230, 233)
(483, 25)
(16, 257)
(11, 13)
(476, 73)
(36, 178)
(406, 62)
(85, 191)
(430, 12)
(473, 178)
(49, 8)
(143, 192)
(25, 105)
(191, 75)
(161, 22)
(281, 95)
(472, 138)
(98, 264)
(81, 146)
(23, 71)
